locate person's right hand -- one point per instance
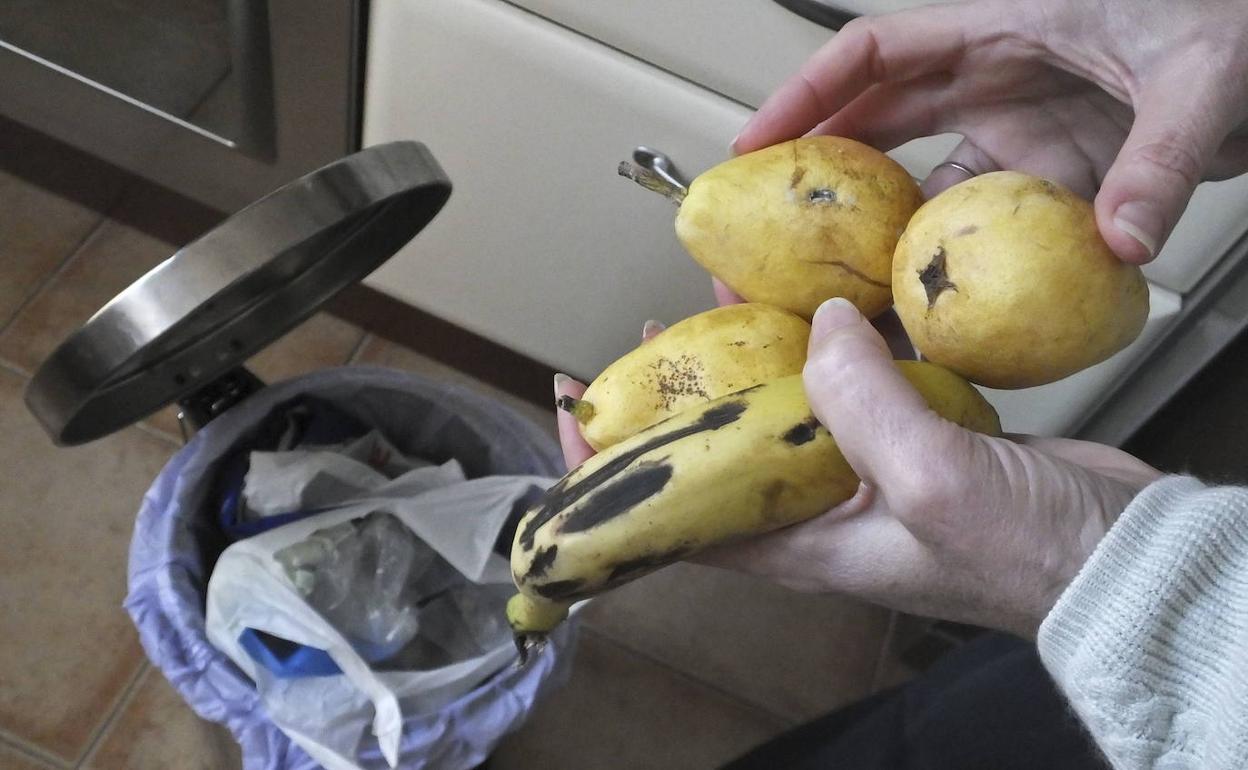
(1139, 100)
(948, 523)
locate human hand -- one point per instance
(1139, 100)
(947, 523)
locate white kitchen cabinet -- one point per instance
(542, 247)
(742, 49)
(1056, 409)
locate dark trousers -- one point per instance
(988, 704)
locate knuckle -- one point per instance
(861, 35)
(926, 488)
(1174, 155)
(933, 488)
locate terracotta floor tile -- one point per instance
(157, 730)
(380, 352)
(40, 231)
(320, 342)
(68, 649)
(797, 655)
(620, 710)
(12, 759)
(108, 262)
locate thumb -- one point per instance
(880, 422)
(1176, 133)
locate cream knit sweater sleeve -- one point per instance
(1150, 641)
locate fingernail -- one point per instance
(651, 328)
(833, 314)
(561, 379)
(1139, 220)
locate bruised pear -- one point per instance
(1006, 280)
(796, 223)
(703, 357)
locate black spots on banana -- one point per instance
(627, 570)
(802, 433)
(541, 562)
(934, 277)
(560, 589)
(567, 492)
(619, 496)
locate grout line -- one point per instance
(358, 350)
(9, 366)
(886, 646)
(31, 751)
(165, 436)
(787, 721)
(53, 274)
(127, 696)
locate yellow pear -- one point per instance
(1005, 280)
(798, 222)
(701, 358)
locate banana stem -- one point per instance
(531, 618)
(583, 411)
(652, 181)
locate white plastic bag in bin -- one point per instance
(330, 715)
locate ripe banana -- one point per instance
(740, 465)
(703, 357)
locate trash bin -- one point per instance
(179, 335)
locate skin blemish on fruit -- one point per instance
(796, 179)
(802, 433)
(934, 278)
(541, 562)
(559, 589)
(855, 272)
(968, 230)
(678, 378)
(567, 492)
(618, 497)
(771, 500)
(633, 568)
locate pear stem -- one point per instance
(583, 411)
(652, 181)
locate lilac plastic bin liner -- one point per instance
(177, 540)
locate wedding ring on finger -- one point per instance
(956, 166)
